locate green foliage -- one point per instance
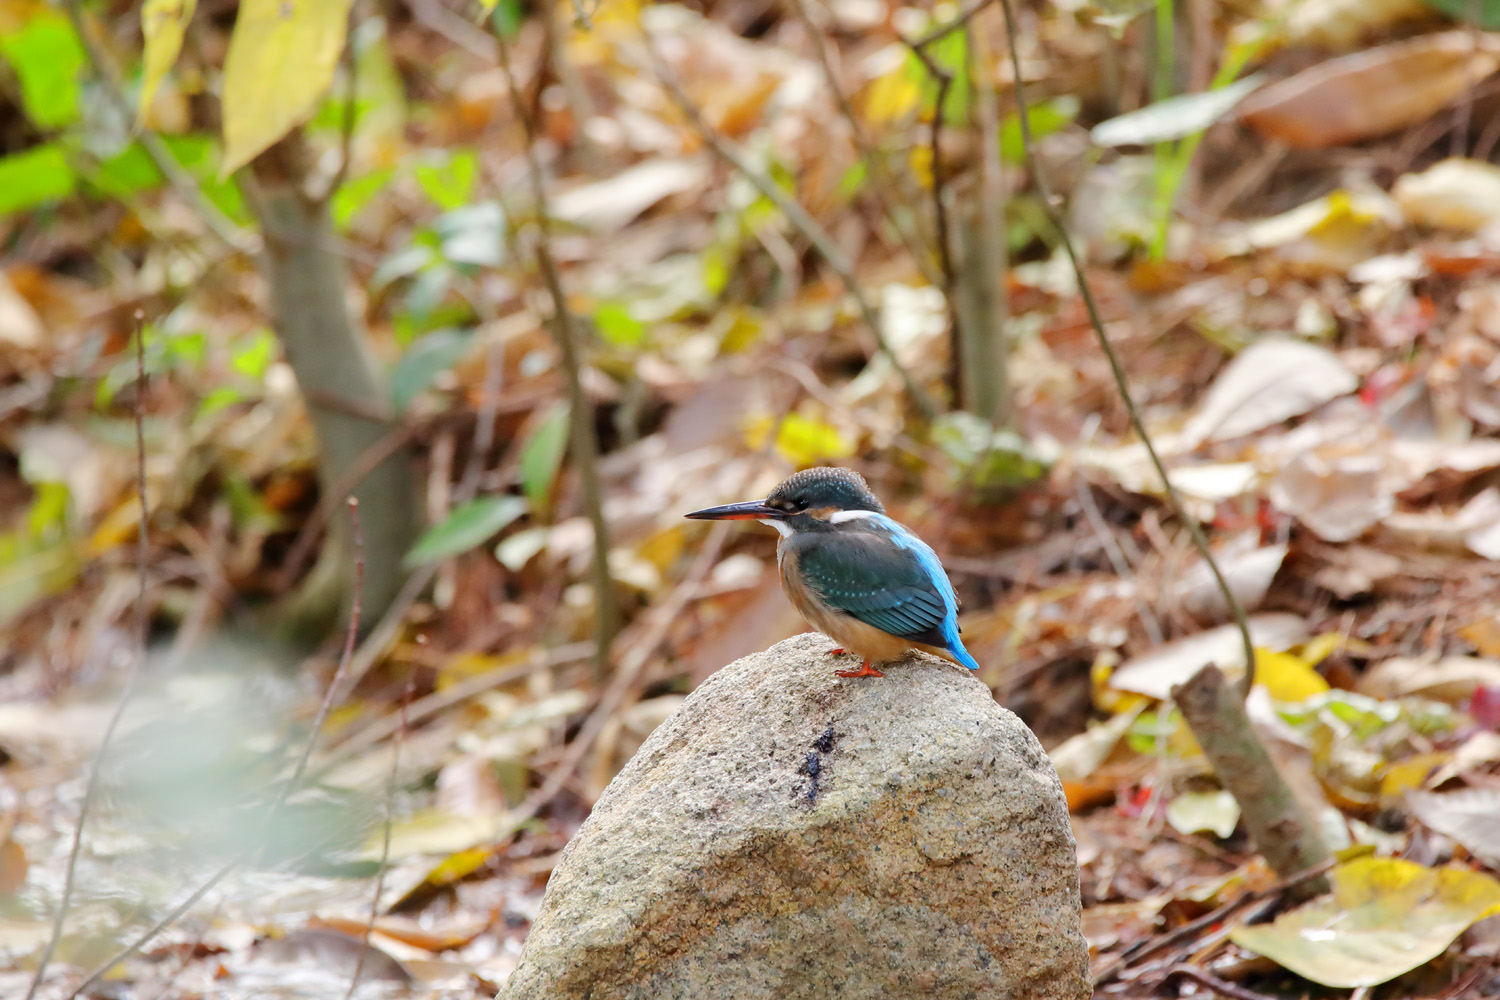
(542, 455)
(987, 457)
(473, 234)
(166, 351)
(1174, 118)
(950, 55)
(465, 527)
(47, 58)
(1485, 13)
(1045, 118)
(617, 326)
(355, 195)
(448, 177)
(506, 16)
(424, 361)
(39, 176)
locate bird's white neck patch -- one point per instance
(849, 515)
(782, 528)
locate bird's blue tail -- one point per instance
(962, 655)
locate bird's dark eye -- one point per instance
(800, 503)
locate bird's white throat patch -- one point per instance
(849, 515)
(782, 528)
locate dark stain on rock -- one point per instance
(812, 765)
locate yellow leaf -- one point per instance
(1287, 677)
(1385, 917)
(892, 97)
(471, 664)
(162, 23)
(800, 440)
(1320, 647)
(1106, 698)
(119, 526)
(281, 61)
(1411, 773)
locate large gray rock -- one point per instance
(790, 834)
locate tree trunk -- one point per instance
(345, 392)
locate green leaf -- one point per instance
(465, 527)
(37, 176)
(354, 196)
(617, 326)
(128, 172)
(506, 16)
(1385, 917)
(1045, 118)
(1487, 11)
(542, 455)
(163, 23)
(47, 58)
(950, 55)
(281, 61)
(199, 155)
(1175, 118)
(473, 234)
(451, 182)
(254, 354)
(429, 357)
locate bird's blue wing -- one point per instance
(881, 578)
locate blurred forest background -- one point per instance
(532, 281)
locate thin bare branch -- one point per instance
(143, 636)
(584, 444)
(385, 848)
(292, 783)
(800, 220)
(885, 186)
(949, 27)
(1049, 206)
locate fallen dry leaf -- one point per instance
(1270, 381)
(1372, 92)
(1454, 194)
(1468, 817)
(1155, 673)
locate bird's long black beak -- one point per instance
(747, 510)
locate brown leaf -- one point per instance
(1373, 92)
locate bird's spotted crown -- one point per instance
(841, 489)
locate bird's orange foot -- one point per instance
(864, 671)
(837, 651)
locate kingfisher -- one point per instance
(854, 574)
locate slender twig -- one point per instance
(385, 849)
(585, 445)
(1085, 292)
(885, 185)
(429, 705)
(143, 636)
(182, 182)
(347, 123)
(312, 528)
(631, 664)
(1213, 982)
(940, 214)
(288, 787)
(1151, 946)
(944, 30)
(800, 219)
